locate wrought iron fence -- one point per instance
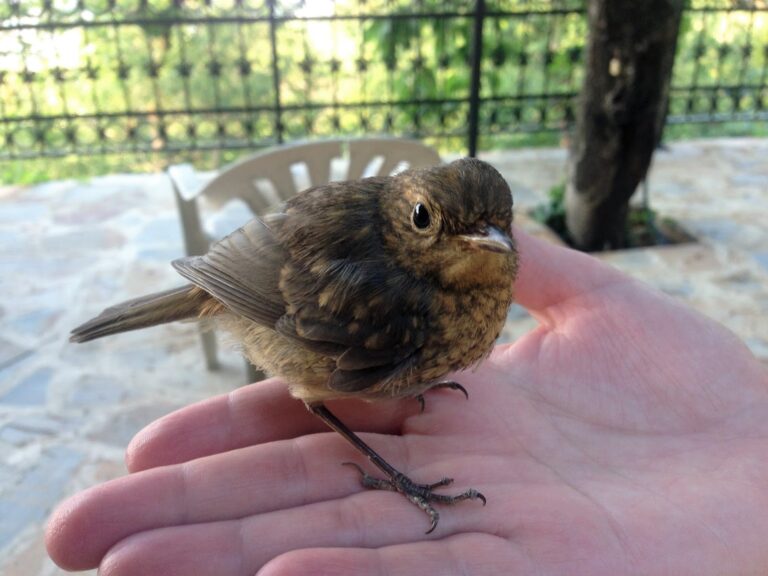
(85, 77)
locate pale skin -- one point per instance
(626, 434)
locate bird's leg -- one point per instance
(450, 384)
(420, 494)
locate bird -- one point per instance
(371, 289)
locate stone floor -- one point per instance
(67, 249)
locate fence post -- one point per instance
(275, 72)
(474, 87)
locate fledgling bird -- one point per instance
(375, 288)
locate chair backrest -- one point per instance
(393, 152)
(267, 179)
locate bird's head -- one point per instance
(452, 223)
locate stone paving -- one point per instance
(68, 249)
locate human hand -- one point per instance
(626, 434)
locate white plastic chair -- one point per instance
(267, 179)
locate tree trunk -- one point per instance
(621, 114)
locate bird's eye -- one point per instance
(421, 218)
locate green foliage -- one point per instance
(552, 212)
(523, 57)
(641, 229)
(721, 55)
(164, 82)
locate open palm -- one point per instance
(625, 435)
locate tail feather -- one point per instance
(158, 308)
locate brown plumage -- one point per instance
(371, 288)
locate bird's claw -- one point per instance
(421, 495)
(450, 385)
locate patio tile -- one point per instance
(10, 353)
(38, 490)
(32, 390)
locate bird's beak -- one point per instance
(490, 238)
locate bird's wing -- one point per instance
(243, 271)
(373, 339)
(358, 367)
(339, 299)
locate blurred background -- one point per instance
(663, 105)
(105, 86)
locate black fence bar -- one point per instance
(97, 77)
(275, 71)
(474, 87)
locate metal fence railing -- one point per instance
(85, 77)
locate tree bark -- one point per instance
(621, 114)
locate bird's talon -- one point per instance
(459, 387)
(451, 385)
(434, 516)
(439, 484)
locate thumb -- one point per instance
(549, 274)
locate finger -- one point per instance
(240, 547)
(228, 485)
(476, 554)
(187, 550)
(551, 274)
(261, 412)
(233, 484)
